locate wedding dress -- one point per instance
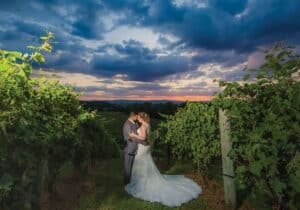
(147, 183)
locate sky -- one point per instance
(150, 49)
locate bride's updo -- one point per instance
(145, 117)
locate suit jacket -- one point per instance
(131, 143)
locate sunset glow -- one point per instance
(150, 50)
(150, 98)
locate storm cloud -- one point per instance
(151, 41)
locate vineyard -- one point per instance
(44, 127)
(265, 128)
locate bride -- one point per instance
(147, 183)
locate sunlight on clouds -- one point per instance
(119, 83)
(204, 79)
(251, 6)
(171, 37)
(189, 53)
(76, 79)
(66, 12)
(120, 76)
(183, 82)
(85, 81)
(188, 79)
(191, 3)
(110, 20)
(200, 84)
(91, 43)
(144, 35)
(99, 92)
(109, 87)
(148, 98)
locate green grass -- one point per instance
(215, 172)
(109, 193)
(179, 168)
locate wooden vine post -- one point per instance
(227, 164)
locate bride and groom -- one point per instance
(142, 179)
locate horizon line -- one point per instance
(151, 98)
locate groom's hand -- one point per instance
(131, 134)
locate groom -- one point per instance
(130, 126)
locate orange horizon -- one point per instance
(148, 98)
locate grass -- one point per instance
(102, 188)
(107, 191)
(109, 194)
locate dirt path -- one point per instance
(213, 193)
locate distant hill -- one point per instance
(153, 108)
(137, 101)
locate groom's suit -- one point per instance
(130, 148)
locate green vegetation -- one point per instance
(265, 121)
(42, 126)
(192, 133)
(152, 108)
(45, 131)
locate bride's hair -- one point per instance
(145, 117)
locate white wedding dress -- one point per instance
(147, 183)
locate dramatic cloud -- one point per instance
(166, 48)
(139, 62)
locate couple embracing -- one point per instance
(142, 179)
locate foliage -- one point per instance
(192, 133)
(265, 121)
(94, 142)
(42, 125)
(264, 112)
